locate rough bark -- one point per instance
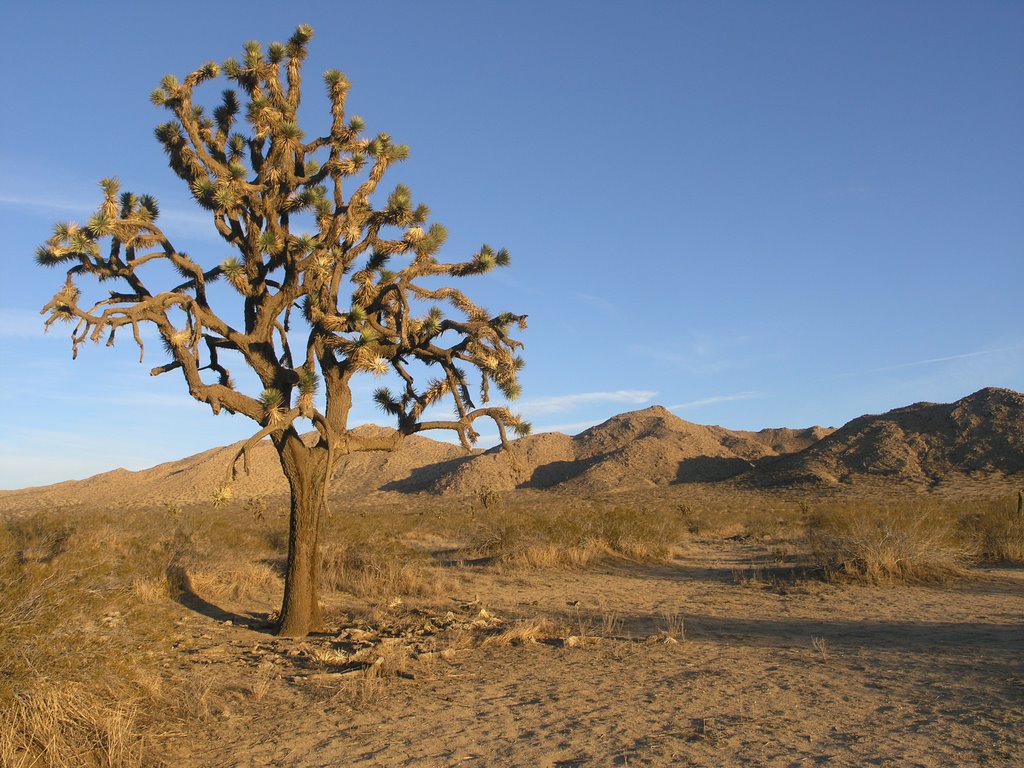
(306, 470)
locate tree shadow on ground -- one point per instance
(186, 595)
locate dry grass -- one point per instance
(392, 659)
(90, 599)
(66, 686)
(89, 610)
(920, 539)
(195, 698)
(717, 514)
(898, 542)
(820, 644)
(68, 725)
(366, 690)
(577, 535)
(382, 572)
(673, 626)
(382, 664)
(611, 624)
(238, 581)
(996, 527)
(151, 590)
(326, 658)
(260, 685)
(524, 632)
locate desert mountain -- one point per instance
(636, 449)
(195, 478)
(980, 435)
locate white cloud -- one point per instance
(51, 205)
(700, 353)
(572, 428)
(26, 324)
(715, 400)
(932, 361)
(558, 403)
(195, 224)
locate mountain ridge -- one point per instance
(980, 435)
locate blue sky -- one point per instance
(755, 214)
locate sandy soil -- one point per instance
(766, 671)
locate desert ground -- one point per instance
(877, 620)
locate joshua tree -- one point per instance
(314, 266)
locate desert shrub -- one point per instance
(912, 542)
(575, 536)
(68, 724)
(741, 513)
(66, 697)
(378, 569)
(996, 527)
(238, 580)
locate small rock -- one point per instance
(361, 635)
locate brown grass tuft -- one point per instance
(62, 725)
(238, 581)
(381, 572)
(578, 535)
(523, 632)
(900, 542)
(997, 528)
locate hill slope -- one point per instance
(195, 478)
(642, 448)
(980, 435)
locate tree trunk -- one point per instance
(306, 470)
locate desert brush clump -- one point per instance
(68, 725)
(319, 251)
(917, 539)
(379, 571)
(881, 543)
(71, 690)
(996, 527)
(577, 534)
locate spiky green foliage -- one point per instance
(271, 398)
(309, 382)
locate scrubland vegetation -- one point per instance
(89, 674)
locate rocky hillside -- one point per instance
(638, 449)
(980, 435)
(195, 478)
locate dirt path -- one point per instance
(763, 673)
